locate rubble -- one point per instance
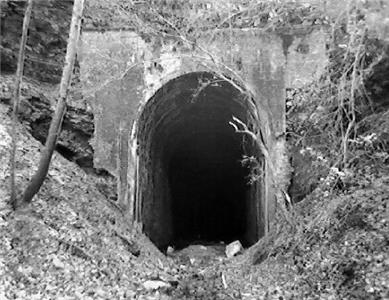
(233, 249)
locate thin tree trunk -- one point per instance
(16, 99)
(55, 125)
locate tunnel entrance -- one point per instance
(194, 170)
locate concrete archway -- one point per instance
(191, 183)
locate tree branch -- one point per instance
(280, 191)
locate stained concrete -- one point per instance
(192, 183)
(125, 76)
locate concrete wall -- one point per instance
(120, 72)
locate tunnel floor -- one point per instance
(194, 187)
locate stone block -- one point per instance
(233, 249)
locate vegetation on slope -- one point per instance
(73, 241)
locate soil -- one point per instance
(72, 242)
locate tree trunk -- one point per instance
(16, 99)
(55, 126)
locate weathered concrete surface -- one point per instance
(121, 72)
(121, 59)
(378, 22)
(306, 59)
(112, 78)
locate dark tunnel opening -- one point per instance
(192, 184)
(206, 179)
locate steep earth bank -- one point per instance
(73, 242)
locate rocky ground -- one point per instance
(72, 242)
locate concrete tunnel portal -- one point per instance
(192, 186)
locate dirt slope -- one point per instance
(73, 243)
(70, 242)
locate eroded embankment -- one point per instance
(72, 241)
(35, 112)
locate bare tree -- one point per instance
(16, 98)
(56, 123)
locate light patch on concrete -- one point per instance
(378, 23)
(306, 59)
(156, 71)
(276, 57)
(107, 56)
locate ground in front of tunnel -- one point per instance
(72, 242)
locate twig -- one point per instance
(224, 281)
(351, 124)
(270, 164)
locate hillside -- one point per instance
(327, 236)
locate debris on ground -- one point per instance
(155, 284)
(233, 249)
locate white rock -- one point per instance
(233, 249)
(57, 263)
(169, 250)
(155, 284)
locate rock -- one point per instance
(169, 250)
(233, 249)
(58, 263)
(155, 284)
(47, 38)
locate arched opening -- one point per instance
(192, 185)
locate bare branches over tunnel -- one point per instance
(281, 194)
(192, 184)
